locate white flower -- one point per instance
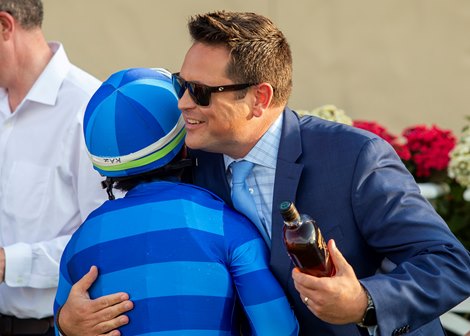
(466, 195)
(328, 112)
(459, 165)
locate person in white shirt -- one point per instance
(47, 184)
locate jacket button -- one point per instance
(401, 330)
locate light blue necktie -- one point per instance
(242, 199)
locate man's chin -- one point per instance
(195, 145)
(198, 146)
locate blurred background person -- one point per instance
(47, 184)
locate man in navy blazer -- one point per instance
(361, 195)
(398, 267)
(411, 267)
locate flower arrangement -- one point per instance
(424, 150)
(434, 157)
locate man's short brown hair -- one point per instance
(259, 51)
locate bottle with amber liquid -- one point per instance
(304, 242)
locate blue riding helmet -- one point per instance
(132, 123)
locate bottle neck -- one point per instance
(290, 215)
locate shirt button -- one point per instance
(251, 190)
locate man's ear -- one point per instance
(264, 95)
(6, 25)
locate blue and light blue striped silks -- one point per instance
(183, 257)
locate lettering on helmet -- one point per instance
(112, 160)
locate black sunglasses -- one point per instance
(200, 93)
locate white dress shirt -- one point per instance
(47, 183)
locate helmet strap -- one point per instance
(183, 163)
(108, 185)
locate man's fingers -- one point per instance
(112, 333)
(305, 280)
(109, 328)
(117, 303)
(339, 262)
(298, 275)
(84, 284)
(107, 321)
(82, 316)
(111, 315)
(305, 284)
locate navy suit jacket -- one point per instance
(359, 192)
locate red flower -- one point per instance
(376, 129)
(401, 149)
(429, 148)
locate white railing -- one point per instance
(451, 320)
(456, 323)
(433, 190)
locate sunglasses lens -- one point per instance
(200, 93)
(179, 85)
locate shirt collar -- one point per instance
(46, 87)
(264, 153)
(4, 105)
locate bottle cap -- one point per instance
(288, 211)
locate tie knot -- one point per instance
(240, 170)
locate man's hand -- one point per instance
(81, 316)
(339, 299)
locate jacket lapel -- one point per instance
(287, 179)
